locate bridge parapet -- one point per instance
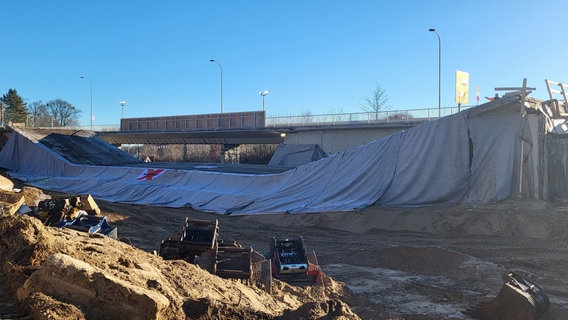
(215, 121)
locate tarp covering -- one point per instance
(557, 152)
(469, 156)
(295, 155)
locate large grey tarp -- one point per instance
(464, 157)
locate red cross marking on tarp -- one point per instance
(150, 174)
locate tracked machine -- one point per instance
(292, 264)
(199, 244)
(197, 237)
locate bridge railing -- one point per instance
(386, 116)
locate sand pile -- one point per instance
(66, 274)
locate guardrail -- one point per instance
(307, 120)
(386, 116)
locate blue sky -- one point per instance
(313, 56)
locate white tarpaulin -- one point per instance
(431, 163)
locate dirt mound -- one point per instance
(65, 274)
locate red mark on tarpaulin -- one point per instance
(150, 174)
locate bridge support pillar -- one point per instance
(229, 153)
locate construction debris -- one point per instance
(33, 196)
(79, 212)
(74, 212)
(90, 224)
(89, 205)
(518, 299)
(10, 202)
(6, 184)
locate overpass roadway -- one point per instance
(332, 138)
(227, 137)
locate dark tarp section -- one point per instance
(73, 147)
(295, 155)
(557, 151)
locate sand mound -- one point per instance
(65, 274)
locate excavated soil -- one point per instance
(382, 263)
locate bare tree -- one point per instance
(376, 102)
(39, 115)
(63, 113)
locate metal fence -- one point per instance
(387, 116)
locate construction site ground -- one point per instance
(385, 263)
(413, 263)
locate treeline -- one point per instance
(54, 113)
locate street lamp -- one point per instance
(122, 103)
(439, 72)
(263, 94)
(91, 87)
(221, 69)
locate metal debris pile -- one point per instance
(78, 212)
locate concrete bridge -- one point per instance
(332, 132)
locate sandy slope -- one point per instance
(416, 263)
(65, 274)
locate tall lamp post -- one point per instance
(263, 94)
(221, 69)
(91, 87)
(122, 103)
(439, 72)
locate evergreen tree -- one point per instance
(14, 107)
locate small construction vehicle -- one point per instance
(518, 299)
(290, 262)
(200, 244)
(198, 236)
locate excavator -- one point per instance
(518, 299)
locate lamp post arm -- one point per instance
(221, 70)
(439, 72)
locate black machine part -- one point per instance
(518, 299)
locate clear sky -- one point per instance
(321, 56)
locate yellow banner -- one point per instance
(462, 87)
